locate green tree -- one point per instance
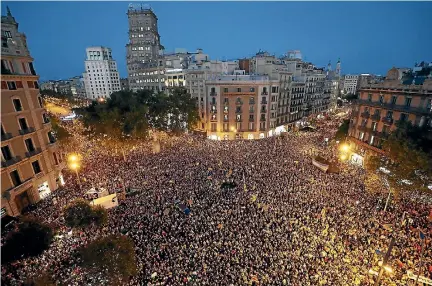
(100, 215)
(42, 280)
(342, 132)
(128, 116)
(79, 213)
(407, 163)
(61, 133)
(350, 97)
(112, 258)
(30, 238)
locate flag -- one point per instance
(422, 235)
(254, 198)
(254, 278)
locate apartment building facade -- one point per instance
(350, 84)
(31, 161)
(239, 106)
(101, 77)
(381, 106)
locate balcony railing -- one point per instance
(363, 128)
(401, 108)
(11, 162)
(383, 135)
(365, 115)
(251, 119)
(213, 93)
(34, 152)
(262, 119)
(264, 102)
(376, 117)
(27, 131)
(6, 136)
(239, 102)
(262, 129)
(387, 120)
(264, 93)
(22, 185)
(251, 102)
(238, 111)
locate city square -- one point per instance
(262, 170)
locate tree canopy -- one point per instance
(342, 131)
(79, 213)
(407, 161)
(110, 258)
(61, 133)
(30, 238)
(129, 115)
(350, 96)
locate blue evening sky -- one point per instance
(369, 37)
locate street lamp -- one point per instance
(75, 166)
(345, 147)
(73, 162)
(73, 158)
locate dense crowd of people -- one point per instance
(283, 222)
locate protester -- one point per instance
(283, 222)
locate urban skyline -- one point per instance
(367, 53)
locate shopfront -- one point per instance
(44, 190)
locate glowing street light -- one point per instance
(343, 157)
(73, 158)
(345, 147)
(388, 269)
(73, 162)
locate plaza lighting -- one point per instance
(343, 157)
(388, 269)
(73, 163)
(72, 158)
(344, 147)
(74, 166)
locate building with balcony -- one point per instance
(382, 105)
(101, 77)
(238, 106)
(31, 163)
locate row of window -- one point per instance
(393, 100)
(13, 67)
(237, 128)
(16, 177)
(18, 105)
(14, 85)
(238, 117)
(147, 73)
(24, 127)
(141, 48)
(30, 147)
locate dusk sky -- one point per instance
(369, 37)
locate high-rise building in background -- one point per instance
(351, 83)
(403, 96)
(124, 84)
(101, 77)
(31, 163)
(144, 49)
